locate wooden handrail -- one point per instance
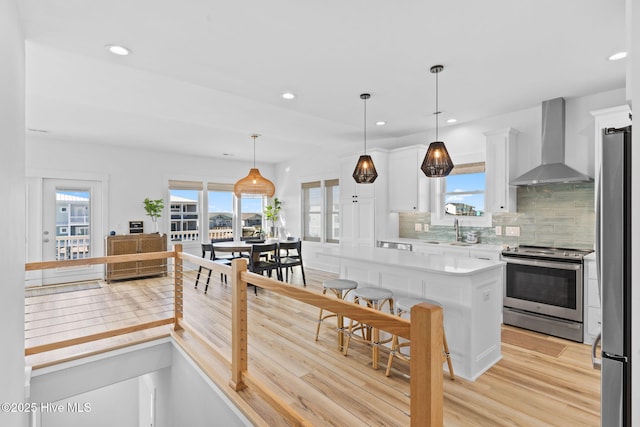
(47, 265)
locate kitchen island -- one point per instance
(469, 290)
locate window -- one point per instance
(464, 190)
(185, 197)
(252, 208)
(321, 211)
(462, 194)
(332, 221)
(312, 211)
(220, 211)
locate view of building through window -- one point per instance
(184, 214)
(220, 213)
(464, 194)
(72, 224)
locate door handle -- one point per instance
(45, 240)
(595, 361)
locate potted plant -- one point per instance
(154, 210)
(271, 213)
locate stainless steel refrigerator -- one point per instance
(613, 248)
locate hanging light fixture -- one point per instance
(254, 183)
(365, 171)
(437, 162)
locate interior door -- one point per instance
(71, 228)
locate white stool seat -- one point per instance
(373, 294)
(405, 304)
(340, 284)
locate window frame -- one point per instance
(329, 211)
(438, 215)
(304, 188)
(324, 185)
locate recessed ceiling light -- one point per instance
(616, 56)
(452, 121)
(288, 95)
(381, 123)
(118, 50)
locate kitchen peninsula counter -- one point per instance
(469, 290)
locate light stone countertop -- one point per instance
(442, 264)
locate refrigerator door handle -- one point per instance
(595, 361)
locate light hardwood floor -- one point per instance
(541, 381)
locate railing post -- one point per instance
(239, 353)
(426, 388)
(178, 287)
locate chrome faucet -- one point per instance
(456, 226)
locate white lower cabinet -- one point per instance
(592, 312)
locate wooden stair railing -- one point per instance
(424, 331)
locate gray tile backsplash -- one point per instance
(560, 215)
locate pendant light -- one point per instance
(254, 183)
(437, 162)
(365, 171)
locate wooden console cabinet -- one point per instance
(135, 244)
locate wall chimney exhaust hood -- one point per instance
(553, 169)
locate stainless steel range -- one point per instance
(544, 290)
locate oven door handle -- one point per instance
(543, 263)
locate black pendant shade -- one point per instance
(365, 172)
(437, 163)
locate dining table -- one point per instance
(240, 246)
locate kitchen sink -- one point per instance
(433, 243)
(459, 244)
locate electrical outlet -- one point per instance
(417, 226)
(512, 231)
(498, 230)
(425, 227)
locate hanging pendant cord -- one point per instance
(437, 113)
(254, 150)
(365, 126)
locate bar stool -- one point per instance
(374, 298)
(404, 305)
(340, 287)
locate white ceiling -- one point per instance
(204, 75)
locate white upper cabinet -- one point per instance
(408, 186)
(500, 167)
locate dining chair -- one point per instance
(291, 256)
(259, 264)
(207, 248)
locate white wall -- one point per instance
(114, 405)
(12, 163)
(196, 401)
